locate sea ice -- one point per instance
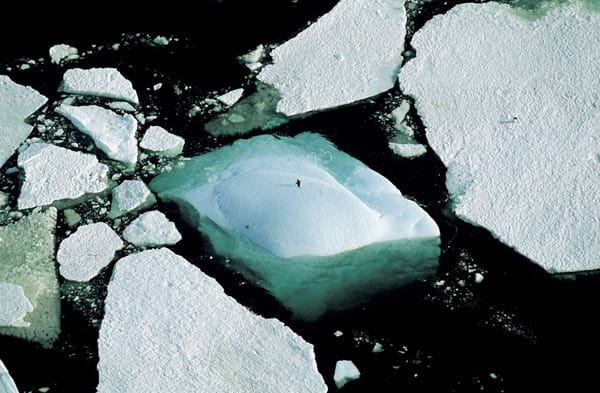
(129, 196)
(17, 102)
(87, 251)
(351, 53)
(112, 133)
(301, 217)
(231, 97)
(27, 260)
(152, 229)
(62, 52)
(511, 106)
(7, 384)
(345, 371)
(160, 141)
(408, 150)
(102, 82)
(168, 327)
(14, 305)
(54, 174)
(121, 105)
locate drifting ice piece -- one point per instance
(14, 305)
(129, 196)
(304, 218)
(169, 327)
(62, 52)
(160, 141)
(152, 229)
(231, 97)
(345, 371)
(102, 82)
(511, 106)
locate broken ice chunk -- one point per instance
(157, 336)
(112, 133)
(351, 53)
(54, 174)
(129, 196)
(231, 97)
(305, 218)
(160, 141)
(7, 384)
(62, 52)
(14, 305)
(345, 371)
(17, 102)
(102, 82)
(161, 40)
(87, 251)
(152, 229)
(27, 260)
(254, 56)
(408, 150)
(121, 105)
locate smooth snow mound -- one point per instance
(169, 328)
(351, 53)
(512, 108)
(102, 82)
(249, 190)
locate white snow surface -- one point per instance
(162, 142)
(14, 305)
(7, 384)
(101, 82)
(170, 328)
(130, 195)
(17, 102)
(62, 52)
(246, 199)
(152, 229)
(112, 133)
(231, 97)
(54, 173)
(345, 371)
(511, 107)
(87, 251)
(349, 54)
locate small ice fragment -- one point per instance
(399, 114)
(122, 105)
(152, 229)
(131, 195)
(160, 141)
(3, 199)
(478, 278)
(254, 56)
(408, 150)
(62, 52)
(345, 371)
(377, 348)
(101, 82)
(72, 218)
(493, 376)
(231, 97)
(338, 333)
(14, 305)
(161, 40)
(157, 86)
(44, 390)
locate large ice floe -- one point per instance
(7, 384)
(512, 107)
(168, 327)
(314, 226)
(101, 82)
(17, 102)
(27, 260)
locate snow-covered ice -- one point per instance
(87, 251)
(17, 102)
(54, 174)
(231, 97)
(408, 150)
(27, 260)
(168, 327)
(62, 52)
(121, 105)
(112, 133)
(101, 82)
(511, 106)
(129, 196)
(345, 371)
(7, 384)
(152, 229)
(160, 141)
(341, 235)
(349, 54)
(14, 305)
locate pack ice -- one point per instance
(101, 82)
(512, 108)
(314, 226)
(170, 328)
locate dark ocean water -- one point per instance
(520, 330)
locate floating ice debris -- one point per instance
(231, 97)
(152, 229)
(129, 196)
(479, 278)
(345, 371)
(7, 384)
(121, 105)
(27, 260)
(161, 40)
(377, 348)
(351, 53)
(305, 218)
(72, 218)
(112, 133)
(62, 52)
(169, 327)
(160, 141)
(3, 199)
(14, 305)
(54, 174)
(254, 56)
(511, 106)
(17, 102)
(408, 150)
(399, 114)
(87, 251)
(157, 86)
(102, 82)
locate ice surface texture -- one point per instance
(102, 82)
(7, 385)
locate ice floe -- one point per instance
(7, 384)
(168, 327)
(160, 141)
(351, 53)
(54, 174)
(129, 196)
(152, 229)
(17, 102)
(511, 106)
(27, 260)
(345, 371)
(231, 97)
(62, 52)
(121, 105)
(101, 82)
(408, 150)
(305, 218)
(14, 305)
(112, 133)
(87, 251)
